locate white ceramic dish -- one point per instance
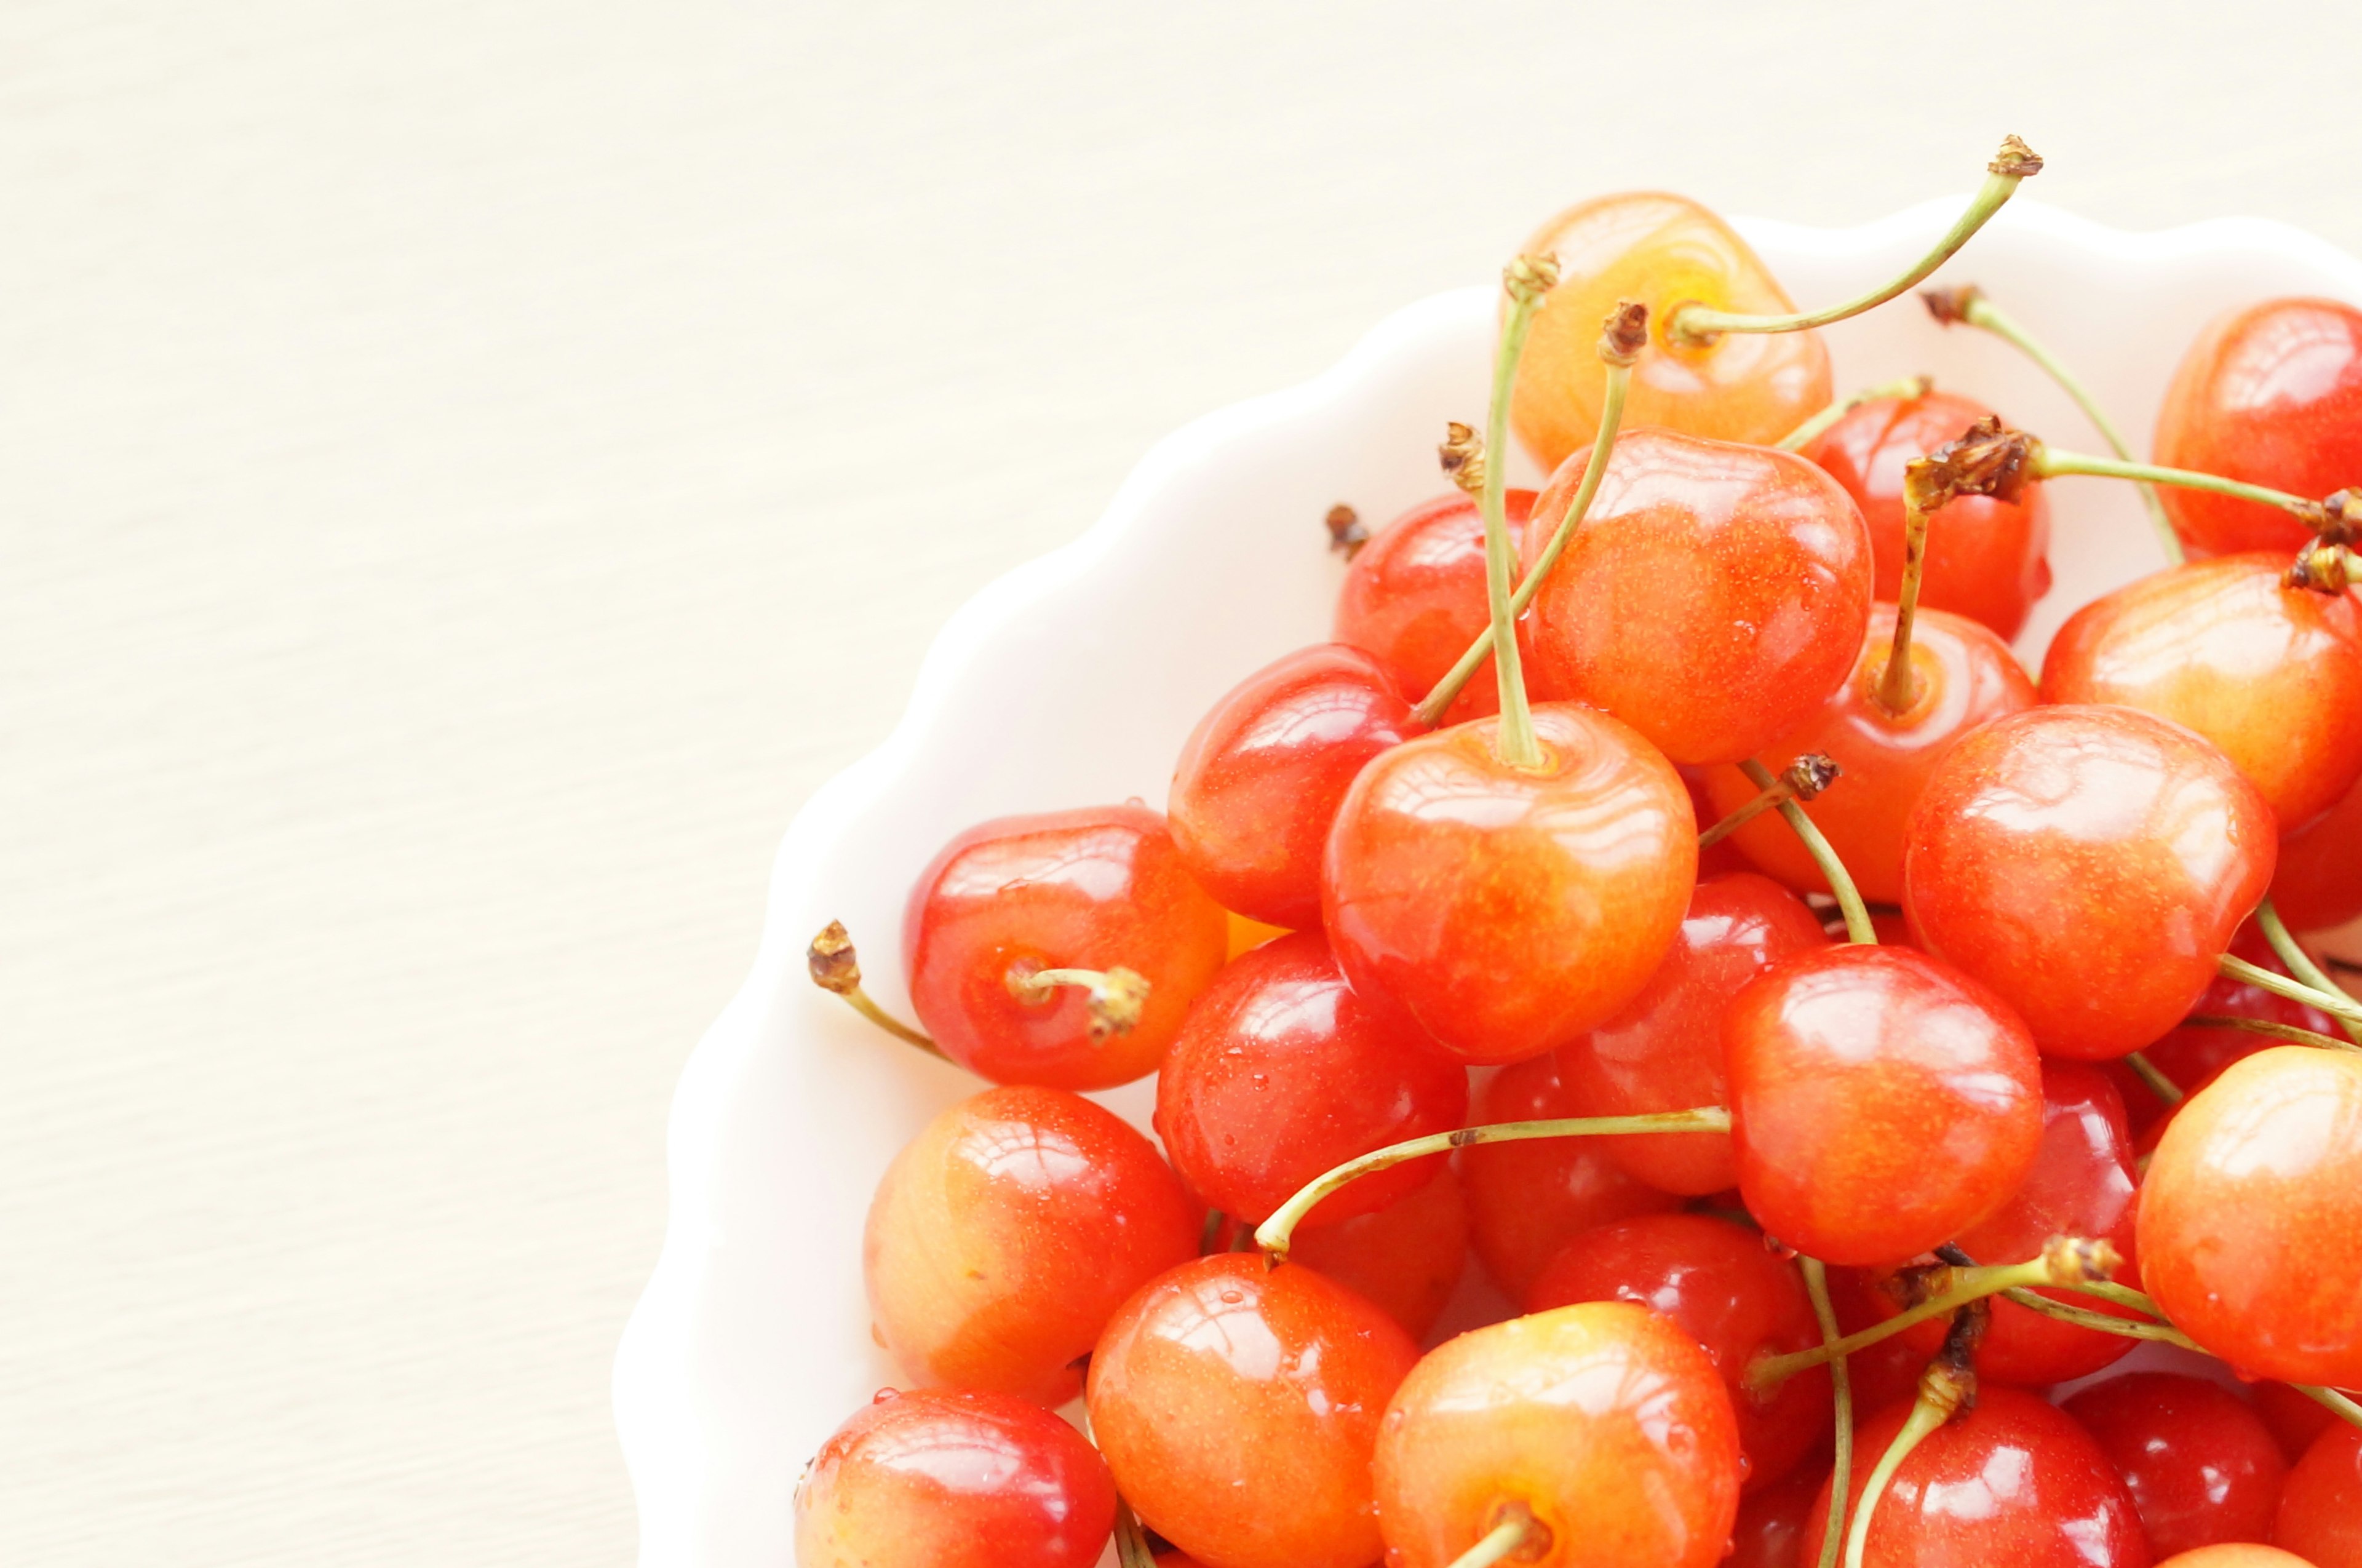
(752, 1340)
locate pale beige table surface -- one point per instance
(468, 472)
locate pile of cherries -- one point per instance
(1966, 1049)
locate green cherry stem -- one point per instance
(1816, 1286)
(836, 967)
(1131, 1542)
(1115, 997)
(1909, 389)
(1849, 897)
(1802, 779)
(1528, 280)
(2049, 462)
(2124, 1328)
(2292, 1033)
(2300, 963)
(1273, 1233)
(1697, 325)
(1925, 491)
(1498, 1542)
(1949, 1382)
(2165, 1088)
(2339, 1006)
(2343, 1404)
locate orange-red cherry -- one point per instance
(1603, 1424)
(1006, 1234)
(1407, 1258)
(2089, 864)
(1663, 1052)
(2319, 883)
(2321, 1505)
(2201, 1467)
(1509, 910)
(1712, 598)
(1414, 597)
(2236, 1555)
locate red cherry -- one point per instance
(1722, 857)
(1966, 675)
(1526, 1201)
(1414, 597)
(1713, 597)
(1887, 1373)
(2270, 393)
(1663, 1052)
(1227, 1372)
(1259, 781)
(1407, 1258)
(937, 1479)
(1511, 911)
(1008, 1231)
(2192, 1053)
(2319, 883)
(1604, 1422)
(2011, 1483)
(2270, 674)
(2200, 1464)
(2249, 1213)
(1987, 560)
(1097, 888)
(1770, 1528)
(2320, 1507)
(1734, 1296)
(2090, 865)
(1881, 1102)
(2295, 1420)
(1283, 1072)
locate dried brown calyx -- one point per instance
(1347, 532)
(1950, 306)
(2016, 160)
(1624, 333)
(1810, 774)
(2324, 566)
(1989, 458)
(2081, 1260)
(1463, 456)
(1529, 277)
(834, 963)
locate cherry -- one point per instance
(1227, 1368)
(2089, 864)
(2295, 1420)
(2249, 1211)
(2320, 1507)
(2010, 1481)
(1414, 597)
(1663, 1052)
(1094, 890)
(1527, 1200)
(1770, 1528)
(2319, 883)
(1735, 1298)
(1510, 909)
(2270, 673)
(1886, 1373)
(1008, 1231)
(1987, 559)
(2192, 1053)
(1602, 1429)
(1881, 1102)
(1964, 676)
(2270, 393)
(1712, 598)
(2236, 1555)
(2201, 1467)
(938, 1479)
(1407, 1258)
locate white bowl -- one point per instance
(1074, 679)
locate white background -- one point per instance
(468, 472)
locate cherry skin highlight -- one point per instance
(2270, 393)
(2090, 865)
(2201, 1467)
(1006, 1234)
(2270, 674)
(1527, 1200)
(2249, 1215)
(1406, 1259)
(1987, 560)
(1663, 1052)
(1735, 1298)
(1414, 597)
(1509, 911)
(1965, 677)
(1228, 1369)
(938, 1479)
(1882, 1102)
(1096, 888)
(1605, 1422)
(2321, 1506)
(1712, 598)
(2319, 883)
(2012, 1482)
(1662, 251)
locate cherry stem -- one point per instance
(2165, 1088)
(1802, 779)
(2300, 963)
(2292, 1033)
(2332, 1400)
(1697, 325)
(1211, 1231)
(1816, 1286)
(2101, 1322)
(1943, 1389)
(1528, 280)
(2338, 1005)
(2049, 462)
(1909, 389)
(1619, 346)
(1272, 1234)
(1501, 1540)
(836, 967)
(1115, 997)
(1130, 1542)
(1849, 897)
(1923, 493)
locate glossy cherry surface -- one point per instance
(1965, 676)
(2270, 674)
(2295, 1420)
(1096, 888)
(1605, 1420)
(1712, 598)
(2200, 1465)
(1736, 1297)
(1008, 1232)
(1663, 1052)
(1662, 251)
(2321, 1506)
(1987, 560)
(1238, 1405)
(2013, 1482)
(1770, 1528)
(2236, 1555)
(2319, 883)
(2192, 1053)
(2090, 865)
(2249, 1215)
(2270, 393)
(1406, 1258)
(1414, 597)
(1509, 912)
(937, 1479)
(1882, 1102)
